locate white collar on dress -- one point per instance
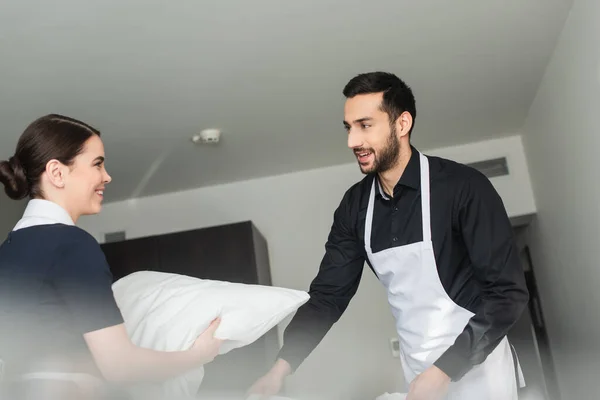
(43, 212)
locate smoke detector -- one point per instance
(207, 136)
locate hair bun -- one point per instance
(12, 175)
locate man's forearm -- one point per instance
(482, 334)
(304, 333)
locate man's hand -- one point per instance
(432, 384)
(271, 383)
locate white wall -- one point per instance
(561, 138)
(302, 206)
(514, 188)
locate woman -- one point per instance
(57, 310)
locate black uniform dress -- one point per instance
(55, 286)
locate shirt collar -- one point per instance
(411, 177)
(43, 212)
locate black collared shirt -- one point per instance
(474, 247)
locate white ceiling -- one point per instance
(269, 73)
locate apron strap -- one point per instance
(369, 217)
(425, 206)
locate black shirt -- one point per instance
(55, 285)
(474, 247)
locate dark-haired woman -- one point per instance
(58, 317)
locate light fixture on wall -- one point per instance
(207, 136)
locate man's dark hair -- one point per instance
(397, 95)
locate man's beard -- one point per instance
(385, 159)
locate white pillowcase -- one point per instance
(167, 312)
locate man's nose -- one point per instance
(354, 140)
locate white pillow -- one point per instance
(167, 312)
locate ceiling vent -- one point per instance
(491, 168)
(114, 237)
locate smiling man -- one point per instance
(437, 236)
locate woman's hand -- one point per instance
(119, 360)
(206, 347)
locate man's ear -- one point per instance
(404, 124)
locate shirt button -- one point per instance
(394, 239)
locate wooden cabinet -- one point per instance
(234, 253)
(133, 255)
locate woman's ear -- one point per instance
(56, 173)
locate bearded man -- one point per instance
(437, 236)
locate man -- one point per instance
(437, 236)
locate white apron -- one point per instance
(427, 320)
